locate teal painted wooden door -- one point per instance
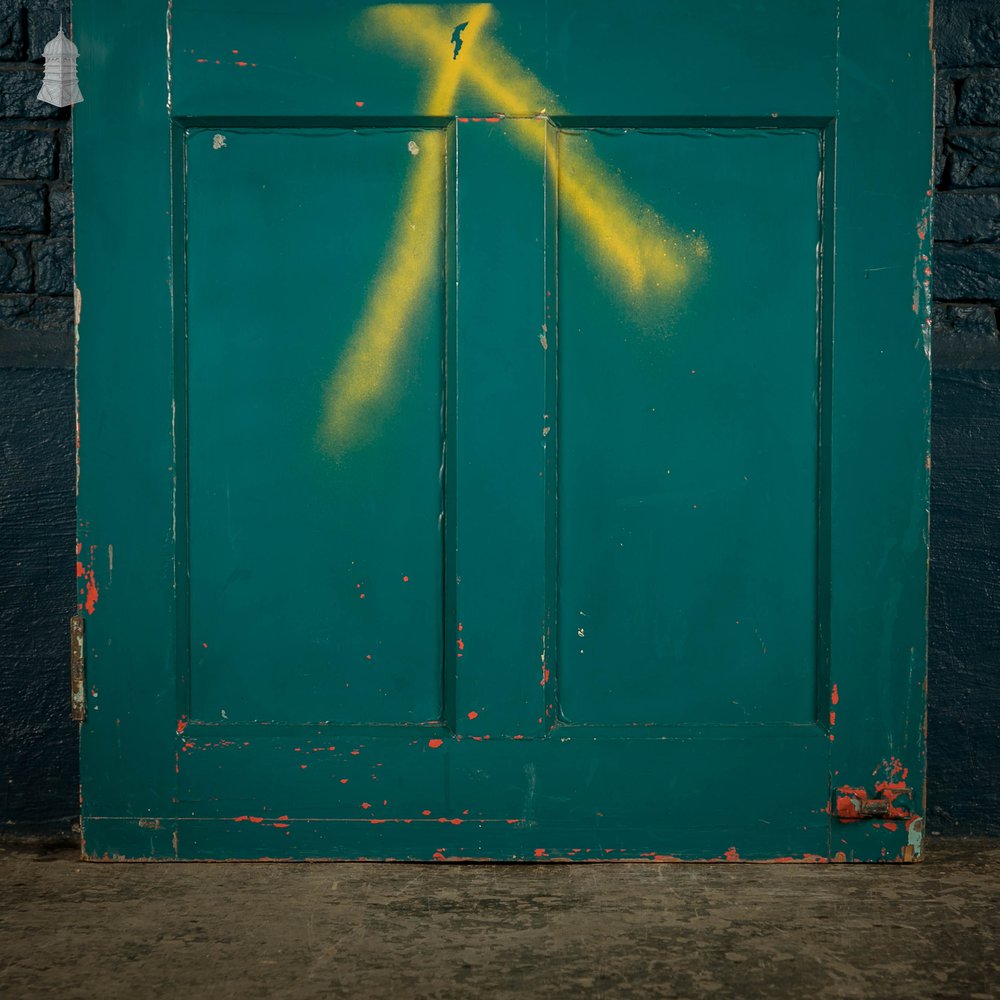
(503, 429)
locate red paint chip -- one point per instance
(434, 744)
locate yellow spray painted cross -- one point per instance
(629, 242)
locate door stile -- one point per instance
(826, 200)
(180, 478)
(881, 439)
(550, 432)
(501, 429)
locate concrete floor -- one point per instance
(409, 932)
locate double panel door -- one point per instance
(503, 430)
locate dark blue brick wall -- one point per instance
(964, 682)
(38, 743)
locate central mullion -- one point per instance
(502, 431)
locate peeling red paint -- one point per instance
(835, 696)
(181, 724)
(848, 798)
(473, 715)
(894, 769)
(890, 791)
(88, 590)
(851, 801)
(359, 104)
(540, 852)
(435, 743)
(732, 854)
(281, 825)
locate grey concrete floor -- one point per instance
(76, 930)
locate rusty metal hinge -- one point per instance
(891, 801)
(77, 669)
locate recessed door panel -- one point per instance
(314, 424)
(689, 432)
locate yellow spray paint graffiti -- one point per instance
(368, 367)
(367, 370)
(632, 246)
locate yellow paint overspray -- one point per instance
(643, 257)
(367, 370)
(631, 244)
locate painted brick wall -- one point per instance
(38, 742)
(964, 713)
(38, 745)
